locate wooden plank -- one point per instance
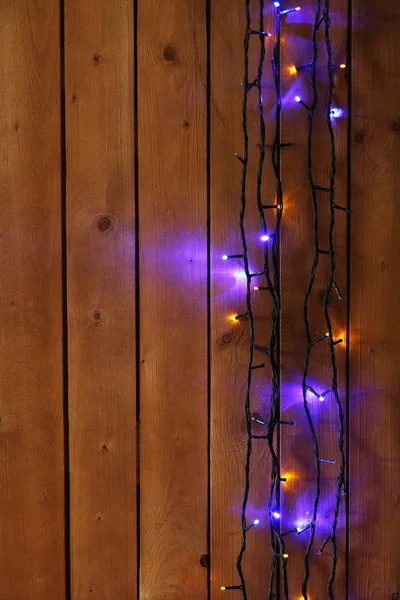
(101, 301)
(374, 406)
(172, 182)
(297, 456)
(230, 338)
(31, 371)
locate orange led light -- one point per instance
(298, 8)
(292, 70)
(285, 555)
(223, 588)
(343, 66)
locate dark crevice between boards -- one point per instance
(137, 282)
(64, 309)
(208, 176)
(279, 578)
(348, 285)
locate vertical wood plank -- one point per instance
(101, 271)
(374, 405)
(173, 298)
(297, 456)
(230, 338)
(31, 371)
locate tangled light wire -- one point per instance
(270, 272)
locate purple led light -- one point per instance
(224, 257)
(336, 113)
(265, 238)
(256, 521)
(276, 515)
(277, 4)
(297, 99)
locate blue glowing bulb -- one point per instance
(336, 113)
(256, 522)
(265, 238)
(277, 4)
(321, 398)
(297, 99)
(224, 257)
(298, 529)
(276, 515)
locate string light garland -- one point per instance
(330, 189)
(270, 273)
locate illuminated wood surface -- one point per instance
(127, 349)
(172, 187)
(101, 297)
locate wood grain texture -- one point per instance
(374, 403)
(101, 301)
(297, 456)
(230, 338)
(31, 372)
(173, 298)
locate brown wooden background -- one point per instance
(119, 191)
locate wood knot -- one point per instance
(226, 338)
(169, 52)
(97, 316)
(104, 447)
(97, 59)
(99, 517)
(103, 223)
(204, 560)
(359, 137)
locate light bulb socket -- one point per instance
(228, 256)
(241, 316)
(259, 421)
(240, 158)
(261, 349)
(224, 588)
(257, 32)
(303, 104)
(301, 67)
(289, 10)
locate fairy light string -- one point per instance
(331, 284)
(270, 272)
(310, 341)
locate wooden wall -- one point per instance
(122, 372)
